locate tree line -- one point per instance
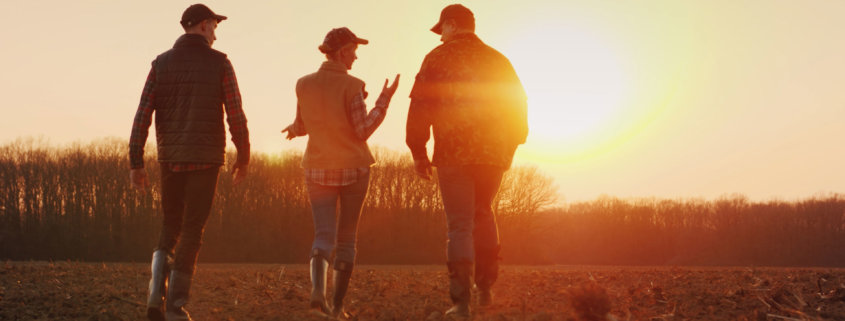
(75, 203)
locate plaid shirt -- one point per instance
(234, 117)
(335, 177)
(363, 123)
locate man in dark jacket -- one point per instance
(187, 89)
(471, 97)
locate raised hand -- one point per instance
(389, 91)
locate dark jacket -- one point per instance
(470, 97)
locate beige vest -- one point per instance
(322, 98)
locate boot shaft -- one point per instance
(460, 276)
(460, 282)
(178, 293)
(487, 267)
(342, 275)
(160, 271)
(319, 269)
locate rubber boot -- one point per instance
(160, 269)
(485, 295)
(342, 274)
(177, 296)
(486, 273)
(460, 274)
(319, 268)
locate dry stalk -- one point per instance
(128, 301)
(781, 317)
(764, 301)
(800, 299)
(281, 272)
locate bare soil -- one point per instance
(116, 291)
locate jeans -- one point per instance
(335, 231)
(186, 199)
(468, 193)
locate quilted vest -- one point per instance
(322, 98)
(189, 102)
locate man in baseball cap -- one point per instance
(461, 15)
(187, 89)
(198, 13)
(473, 146)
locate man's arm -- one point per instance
(140, 131)
(235, 116)
(141, 124)
(418, 126)
(417, 133)
(418, 129)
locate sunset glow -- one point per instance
(577, 85)
(655, 98)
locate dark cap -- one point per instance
(197, 13)
(339, 37)
(462, 15)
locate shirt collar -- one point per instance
(463, 36)
(191, 40)
(335, 66)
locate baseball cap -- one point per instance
(461, 14)
(197, 13)
(339, 37)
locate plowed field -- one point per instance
(116, 291)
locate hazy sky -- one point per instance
(626, 98)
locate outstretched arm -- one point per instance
(364, 123)
(297, 128)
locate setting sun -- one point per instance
(576, 82)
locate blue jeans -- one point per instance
(468, 193)
(335, 231)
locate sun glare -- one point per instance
(576, 84)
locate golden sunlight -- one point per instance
(576, 85)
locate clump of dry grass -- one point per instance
(589, 301)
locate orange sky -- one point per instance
(630, 99)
